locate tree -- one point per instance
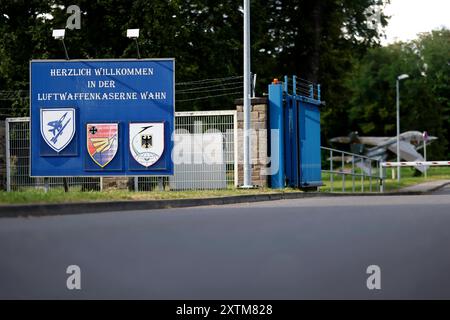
(424, 97)
(316, 40)
(319, 41)
(22, 36)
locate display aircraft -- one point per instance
(381, 148)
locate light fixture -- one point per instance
(59, 34)
(403, 77)
(133, 33)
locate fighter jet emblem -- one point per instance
(58, 127)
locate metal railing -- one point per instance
(362, 171)
(197, 176)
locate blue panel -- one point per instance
(276, 122)
(100, 91)
(295, 179)
(310, 145)
(288, 130)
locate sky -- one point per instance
(410, 17)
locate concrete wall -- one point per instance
(258, 142)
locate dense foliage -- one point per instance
(334, 42)
(425, 104)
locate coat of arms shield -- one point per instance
(58, 127)
(102, 142)
(147, 142)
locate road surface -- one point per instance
(291, 249)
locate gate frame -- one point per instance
(287, 108)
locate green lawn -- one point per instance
(407, 179)
(58, 195)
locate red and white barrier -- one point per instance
(416, 163)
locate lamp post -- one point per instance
(59, 34)
(134, 34)
(247, 103)
(399, 78)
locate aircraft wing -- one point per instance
(343, 140)
(339, 159)
(373, 141)
(408, 153)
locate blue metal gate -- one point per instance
(294, 111)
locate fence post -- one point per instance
(343, 173)
(8, 157)
(46, 185)
(362, 174)
(381, 178)
(331, 170)
(160, 184)
(353, 173)
(65, 184)
(236, 150)
(136, 184)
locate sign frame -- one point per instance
(168, 169)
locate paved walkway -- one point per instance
(426, 186)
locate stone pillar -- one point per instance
(258, 140)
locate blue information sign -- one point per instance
(102, 117)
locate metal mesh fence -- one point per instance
(196, 173)
(18, 162)
(195, 131)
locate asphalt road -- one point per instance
(290, 249)
(443, 191)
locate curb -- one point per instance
(435, 188)
(10, 211)
(36, 210)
